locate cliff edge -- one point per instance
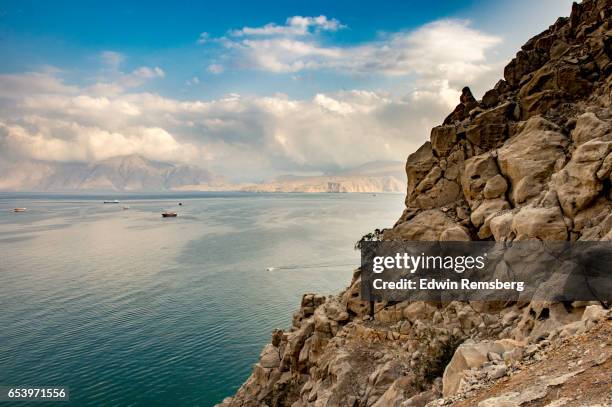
(531, 160)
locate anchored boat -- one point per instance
(168, 214)
(19, 210)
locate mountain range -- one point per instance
(125, 173)
(375, 176)
(134, 173)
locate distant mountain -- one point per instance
(136, 173)
(376, 169)
(376, 176)
(125, 173)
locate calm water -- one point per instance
(127, 308)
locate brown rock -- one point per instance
(430, 180)
(442, 193)
(471, 355)
(418, 165)
(588, 127)
(467, 103)
(490, 98)
(528, 159)
(487, 208)
(524, 63)
(455, 234)
(577, 184)
(427, 226)
(539, 223)
(489, 129)
(443, 138)
(495, 187)
(478, 170)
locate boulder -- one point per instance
(455, 234)
(495, 187)
(443, 139)
(539, 223)
(270, 357)
(383, 378)
(577, 184)
(489, 129)
(477, 172)
(526, 61)
(352, 299)
(395, 394)
(421, 399)
(490, 98)
(486, 208)
(418, 165)
(467, 103)
(427, 225)
(454, 165)
(442, 193)
(469, 355)
(487, 135)
(528, 159)
(418, 310)
(553, 79)
(594, 313)
(430, 180)
(295, 342)
(501, 226)
(589, 127)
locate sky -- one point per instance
(248, 90)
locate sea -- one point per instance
(127, 308)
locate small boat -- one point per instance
(126, 207)
(19, 210)
(180, 204)
(169, 214)
(115, 201)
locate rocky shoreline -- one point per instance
(531, 160)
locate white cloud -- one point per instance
(215, 69)
(45, 118)
(445, 49)
(17, 85)
(193, 81)
(139, 76)
(112, 59)
(294, 26)
(148, 73)
(203, 38)
(82, 143)
(237, 136)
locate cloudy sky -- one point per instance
(249, 90)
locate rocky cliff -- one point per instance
(531, 160)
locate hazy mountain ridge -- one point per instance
(376, 176)
(126, 173)
(136, 173)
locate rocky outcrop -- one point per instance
(531, 160)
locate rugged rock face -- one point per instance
(531, 160)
